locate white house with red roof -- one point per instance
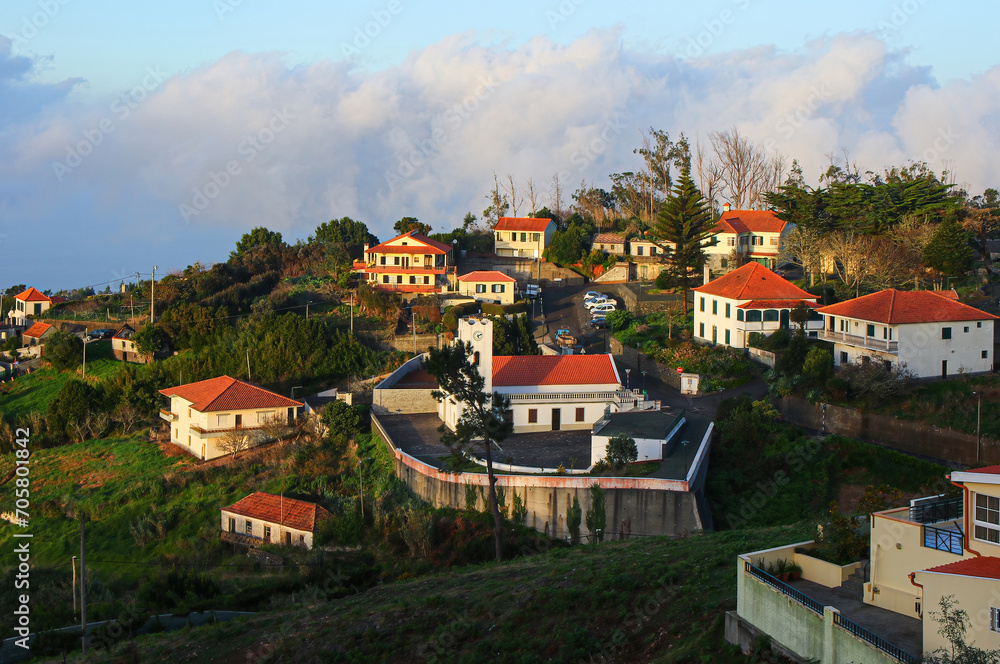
(609, 243)
(749, 299)
(488, 286)
(758, 234)
(928, 331)
(545, 392)
(939, 546)
(264, 518)
(522, 237)
(408, 263)
(202, 413)
(31, 302)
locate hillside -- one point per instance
(644, 600)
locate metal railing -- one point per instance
(617, 397)
(937, 511)
(784, 588)
(941, 539)
(875, 640)
(863, 342)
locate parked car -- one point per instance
(598, 302)
(590, 295)
(94, 335)
(603, 308)
(598, 322)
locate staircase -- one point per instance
(854, 586)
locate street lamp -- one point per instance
(685, 444)
(627, 372)
(644, 381)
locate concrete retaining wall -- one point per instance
(654, 506)
(907, 436)
(629, 357)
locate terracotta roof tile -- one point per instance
(896, 307)
(430, 246)
(522, 224)
(487, 275)
(986, 470)
(753, 281)
(225, 393)
(511, 371)
(752, 221)
(774, 304)
(609, 238)
(983, 567)
(33, 295)
(36, 330)
(124, 332)
(296, 514)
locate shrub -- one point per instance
(341, 419)
(64, 351)
(597, 519)
(573, 517)
(622, 450)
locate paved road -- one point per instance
(564, 310)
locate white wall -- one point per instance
(257, 529)
(923, 349)
(718, 319)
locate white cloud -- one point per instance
(424, 138)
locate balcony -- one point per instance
(620, 397)
(167, 415)
(870, 343)
(939, 520)
(400, 269)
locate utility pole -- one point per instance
(352, 313)
(83, 579)
(248, 371)
(85, 357)
(131, 303)
(74, 586)
(152, 298)
(413, 324)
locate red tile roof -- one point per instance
(986, 470)
(296, 514)
(752, 221)
(522, 224)
(486, 275)
(983, 567)
(774, 304)
(124, 332)
(511, 371)
(609, 238)
(225, 393)
(896, 307)
(33, 295)
(753, 281)
(37, 330)
(430, 246)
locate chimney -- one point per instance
(725, 207)
(708, 272)
(365, 248)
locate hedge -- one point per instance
(503, 309)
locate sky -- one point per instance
(142, 134)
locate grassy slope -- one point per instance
(646, 600)
(33, 392)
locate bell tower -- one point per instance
(479, 333)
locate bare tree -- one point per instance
(234, 441)
(126, 416)
(274, 427)
(745, 170)
(80, 430)
(805, 248)
(499, 204)
(556, 199)
(532, 194)
(709, 176)
(511, 189)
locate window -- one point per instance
(267, 533)
(701, 303)
(987, 518)
(727, 338)
(239, 421)
(701, 330)
(498, 288)
(535, 237)
(232, 525)
(843, 357)
(500, 239)
(383, 260)
(986, 354)
(385, 278)
(302, 539)
(480, 288)
(739, 314)
(946, 333)
(189, 412)
(513, 237)
(638, 250)
(732, 242)
(771, 315)
(724, 263)
(413, 280)
(774, 242)
(870, 331)
(222, 421)
(994, 619)
(248, 528)
(652, 251)
(727, 309)
(979, 324)
(427, 280)
(754, 316)
(579, 414)
(395, 260)
(524, 237)
(887, 365)
(532, 416)
(715, 307)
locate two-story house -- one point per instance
(31, 302)
(202, 413)
(749, 299)
(647, 258)
(928, 331)
(488, 286)
(522, 237)
(408, 263)
(940, 546)
(756, 234)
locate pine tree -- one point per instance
(948, 251)
(683, 223)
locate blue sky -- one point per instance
(290, 118)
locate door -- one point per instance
(288, 538)
(556, 419)
(784, 319)
(944, 368)
(239, 421)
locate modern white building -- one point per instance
(749, 299)
(545, 392)
(928, 331)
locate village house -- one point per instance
(753, 235)
(927, 331)
(31, 302)
(123, 348)
(264, 518)
(749, 299)
(647, 258)
(488, 286)
(408, 263)
(202, 413)
(36, 334)
(522, 237)
(609, 243)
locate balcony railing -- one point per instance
(784, 588)
(861, 342)
(615, 397)
(937, 511)
(877, 641)
(944, 539)
(167, 415)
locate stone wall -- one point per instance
(912, 437)
(654, 506)
(629, 357)
(386, 402)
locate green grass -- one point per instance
(951, 404)
(644, 600)
(33, 392)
